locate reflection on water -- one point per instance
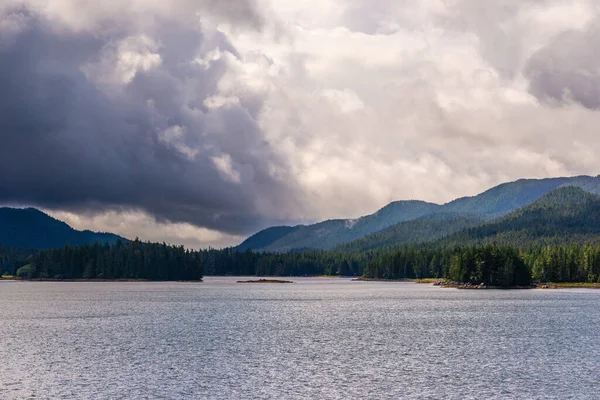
(315, 339)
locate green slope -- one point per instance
(510, 196)
(31, 228)
(488, 205)
(420, 230)
(265, 237)
(566, 214)
(328, 234)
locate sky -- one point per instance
(200, 122)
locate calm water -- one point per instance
(316, 339)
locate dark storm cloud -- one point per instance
(566, 70)
(67, 145)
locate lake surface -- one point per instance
(315, 339)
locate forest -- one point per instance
(121, 260)
(511, 235)
(12, 258)
(295, 263)
(489, 265)
(486, 264)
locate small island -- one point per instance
(265, 281)
(470, 285)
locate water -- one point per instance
(315, 339)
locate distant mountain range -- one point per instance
(564, 215)
(328, 234)
(418, 231)
(527, 211)
(31, 228)
(465, 219)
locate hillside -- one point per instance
(566, 214)
(508, 197)
(265, 237)
(493, 203)
(328, 234)
(420, 230)
(31, 228)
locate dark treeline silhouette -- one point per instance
(12, 258)
(490, 264)
(121, 260)
(297, 263)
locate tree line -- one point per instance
(296, 263)
(121, 260)
(488, 264)
(491, 264)
(12, 258)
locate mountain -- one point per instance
(265, 237)
(328, 234)
(421, 230)
(491, 204)
(566, 214)
(31, 228)
(508, 197)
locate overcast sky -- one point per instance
(203, 121)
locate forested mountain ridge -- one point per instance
(491, 204)
(398, 223)
(31, 228)
(554, 239)
(421, 230)
(265, 237)
(565, 215)
(508, 197)
(328, 234)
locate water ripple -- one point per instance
(316, 339)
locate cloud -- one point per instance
(446, 106)
(132, 224)
(96, 121)
(566, 70)
(229, 116)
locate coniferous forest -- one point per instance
(490, 265)
(121, 260)
(511, 235)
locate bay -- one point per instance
(314, 339)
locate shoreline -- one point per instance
(567, 285)
(469, 286)
(94, 280)
(268, 279)
(536, 285)
(360, 279)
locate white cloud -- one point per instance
(367, 102)
(225, 166)
(132, 224)
(430, 111)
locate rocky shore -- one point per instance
(469, 285)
